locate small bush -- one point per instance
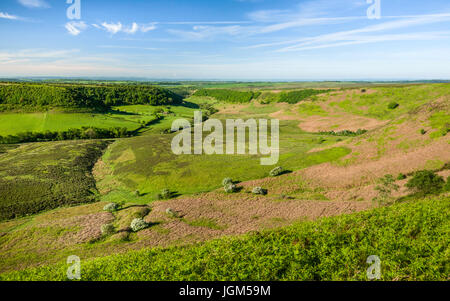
(393, 106)
(165, 194)
(230, 188)
(137, 193)
(141, 212)
(363, 90)
(227, 181)
(426, 182)
(259, 190)
(111, 207)
(108, 229)
(447, 185)
(423, 132)
(401, 176)
(171, 213)
(276, 171)
(138, 224)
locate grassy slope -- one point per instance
(146, 163)
(375, 104)
(411, 240)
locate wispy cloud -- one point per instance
(7, 57)
(114, 28)
(201, 32)
(75, 28)
(359, 35)
(9, 17)
(34, 3)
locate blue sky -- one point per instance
(227, 39)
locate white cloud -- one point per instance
(75, 28)
(114, 28)
(8, 16)
(34, 3)
(133, 29)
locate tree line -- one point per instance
(70, 134)
(229, 96)
(22, 95)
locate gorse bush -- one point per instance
(276, 171)
(138, 224)
(165, 194)
(426, 182)
(393, 105)
(111, 207)
(227, 181)
(230, 188)
(259, 190)
(108, 229)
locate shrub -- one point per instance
(227, 181)
(259, 190)
(276, 171)
(108, 229)
(423, 132)
(447, 185)
(385, 187)
(401, 176)
(165, 194)
(141, 212)
(393, 105)
(138, 224)
(111, 207)
(230, 188)
(426, 182)
(171, 213)
(363, 90)
(137, 193)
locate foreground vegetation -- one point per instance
(411, 239)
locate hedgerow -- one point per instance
(411, 240)
(70, 134)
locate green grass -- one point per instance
(60, 121)
(41, 176)
(440, 121)
(411, 240)
(147, 163)
(310, 109)
(375, 105)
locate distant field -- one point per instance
(13, 123)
